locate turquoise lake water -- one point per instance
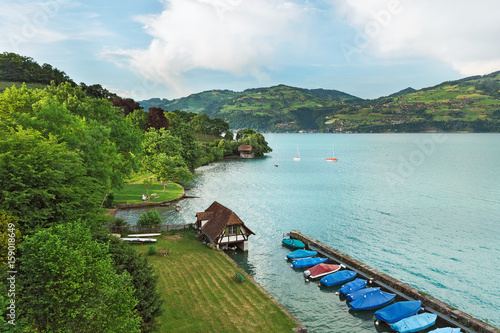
(423, 208)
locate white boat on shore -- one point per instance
(139, 240)
(144, 235)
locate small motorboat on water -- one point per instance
(293, 243)
(352, 286)
(337, 278)
(359, 293)
(415, 323)
(372, 300)
(299, 254)
(307, 262)
(397, 311)
(321, 270)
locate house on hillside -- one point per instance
(221, 226)
(246, 151)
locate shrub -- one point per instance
(151, 251)
(118, 222)
(150, 218)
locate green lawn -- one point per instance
(132, 192)
(201, 292)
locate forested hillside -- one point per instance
(279, 108)
(470, 104)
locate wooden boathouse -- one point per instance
(221, 226)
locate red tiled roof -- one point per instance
(204, 215)
(222, 217)
(245, 148)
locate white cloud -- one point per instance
(240, 37)
(462, 34)
(23, 24)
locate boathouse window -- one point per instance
(232, 230)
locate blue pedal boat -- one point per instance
(293, 243)
(397, 311)
(337, 278)
(372, 300)
(353, 286)
(359, 293)
(299, 254)
(308, 262)
(415, 323)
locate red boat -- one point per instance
(321, 270)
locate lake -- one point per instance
(423, 208)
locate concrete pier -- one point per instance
(446, 313)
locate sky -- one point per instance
(170, 49)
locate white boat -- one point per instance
(144, 235)
(297, 158)
(139, 240)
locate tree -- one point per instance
(93, 128)
(240, 134)
(219, 126)
(127, 259)
(150, 218)
(201, 123)
(147, 183)
(138, 119)
(43, 182)
(75, 283)
(127, 104)
(190, 151)
(9, 231)
(258, 143)
(157, 119)
(162, 156)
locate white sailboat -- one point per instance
(297, 158)
(332, 159)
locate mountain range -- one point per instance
(470, 104)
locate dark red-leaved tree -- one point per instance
(157, 119)
(127, 104)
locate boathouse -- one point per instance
(246, 151)
(221, 226)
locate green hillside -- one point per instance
(278, 108)
(471, 104)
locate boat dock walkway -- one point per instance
(446, 313)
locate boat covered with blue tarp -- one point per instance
(337, 278)
(293, 243)
(359, 293)
(415, 323)
(446, 330)
(353, 286)
(397, 311)
(308, 262)
(372, 300)
(299, 254)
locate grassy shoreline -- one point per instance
(201, 292)
(133, 191)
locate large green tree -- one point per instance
(93, 128)
(43, 182)
(162, 155)
(127, 259)
(258, 143)
(179, 128)
(69, 284)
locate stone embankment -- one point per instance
(444, 311)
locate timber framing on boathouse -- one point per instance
(221, 226)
